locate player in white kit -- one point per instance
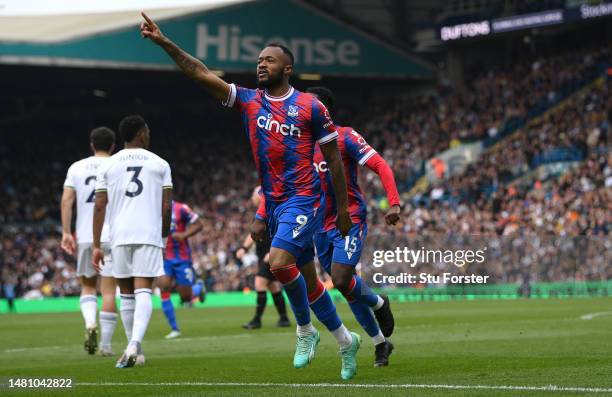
(136, 186)
(79, 186)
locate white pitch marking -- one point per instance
(549, 388)
(591, 316)
(244, 335)
(23, 349)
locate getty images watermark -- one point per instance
(388, 266)
(472, 261)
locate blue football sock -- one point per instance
(295, 288)
(169, 313)
(365, 317)
(362, 293)
(196, 289)
(324, 308)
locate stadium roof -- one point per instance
(35, 21)
(227, 34)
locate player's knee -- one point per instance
(88, 284)
(186, 296)
(278, 258)
(164, 284)
(261, 284)
(88, 290)
(342, 283)
(108, 303)
(274, 287)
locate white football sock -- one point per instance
(142, 313)
(379, 304)
(343, 336)
(303, 330)
(108, 322)
(89, 308)
(127, 313)
(378, 339)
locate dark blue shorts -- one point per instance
(333, 248)
(181, 271)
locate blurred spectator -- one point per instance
(8, 288)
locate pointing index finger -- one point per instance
(146, 17)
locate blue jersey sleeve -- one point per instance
(323, 128)
(357, 147)
(238, 97)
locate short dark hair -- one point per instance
(102, 138)
(326, 96)
(130, 126)
(286, 50)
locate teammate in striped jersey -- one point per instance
(178, 265)
(339, 255)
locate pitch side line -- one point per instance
(549, 388)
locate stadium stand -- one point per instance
(541, 112)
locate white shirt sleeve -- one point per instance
(328, 138)
(167, 178)
(367, 156)
(70, 182)
(231, 96)
(101, 179)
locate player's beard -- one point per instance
(272, 80)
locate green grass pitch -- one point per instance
(455, 348)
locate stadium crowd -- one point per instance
(501, 198)
(491, 106)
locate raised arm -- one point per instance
(336, 169)
(188, 64)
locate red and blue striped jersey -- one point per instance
(182, 217)
(283, 132)
(354, 151)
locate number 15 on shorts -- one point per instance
(350, 245)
